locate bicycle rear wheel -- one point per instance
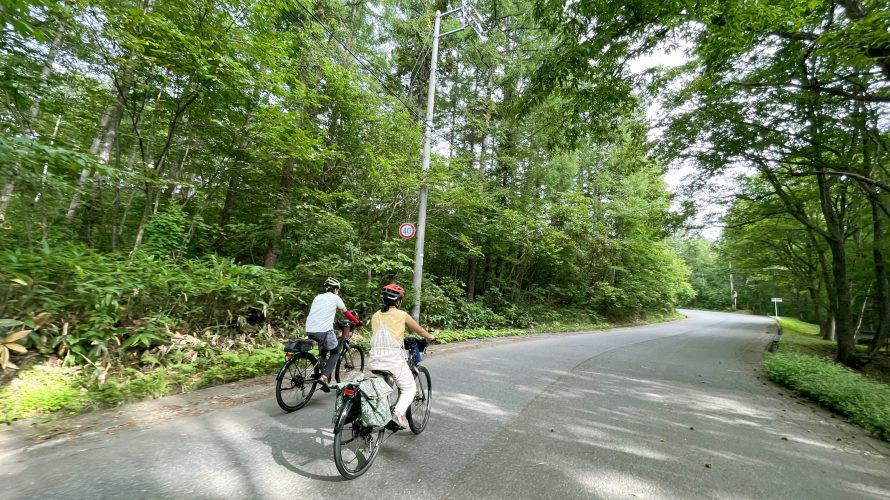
(418, 413)
(296, 382)
(355, 445)
(351, 360)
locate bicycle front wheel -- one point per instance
(418, 413)
(355, 445)
(296, 382)
(351, 360)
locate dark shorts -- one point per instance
(326, 340)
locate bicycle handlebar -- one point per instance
(344, 323)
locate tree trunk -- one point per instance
(882, 295)
(473, 261)
(471, 273)
(9, 187)
(817, 309)
(93, 207)
(226, 214)
(44, 74)
(281, 206)
(176, 172)
(5, 197)
(846, 344)
(828, 327)
(115, 209)
(487, 273)
(146, 214)
(102, 146)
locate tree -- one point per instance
(781, 88)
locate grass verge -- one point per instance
(864, 401)
(53, 390)
(48, 390)
(804, 364)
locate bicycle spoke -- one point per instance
(419, 411)
(355, 446)
(294, 388)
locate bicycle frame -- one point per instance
(302, 370)
(347, 430)
(346, 327)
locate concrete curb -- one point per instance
(774, 345)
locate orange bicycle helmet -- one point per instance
(392, 292)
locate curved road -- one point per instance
(674, 410)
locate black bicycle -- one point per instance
(357, 445)
(301, 373)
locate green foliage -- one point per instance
(41, 390)
(709, 275)
(864, 401)
(779, 108)
(653, 281)
(450, 336)
(44, 389)
(103, 306)
(165, 232)
(445, 307)
(180, 176)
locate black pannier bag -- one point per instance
(298, 345)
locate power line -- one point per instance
(361, 63)
(417, 66)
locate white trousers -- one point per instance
(407, 390)
(395, 361)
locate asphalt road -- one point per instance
(675, 410)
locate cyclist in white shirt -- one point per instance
(320, 326)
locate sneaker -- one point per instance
(324, 384)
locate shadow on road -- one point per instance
(637, 425)
(305, 451)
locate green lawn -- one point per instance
(801, 337)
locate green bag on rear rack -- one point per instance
(375, 410)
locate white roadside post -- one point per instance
(470, 17)
(776, 301)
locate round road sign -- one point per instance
(407, 230)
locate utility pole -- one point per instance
(470, 17)
(424, 168)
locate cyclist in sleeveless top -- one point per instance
(387, 351)
(320, 326)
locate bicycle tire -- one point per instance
(352, 359)
(418, 413)
(298, 375)
(352, 462)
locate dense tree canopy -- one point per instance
(175, 166)
(796, 94)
